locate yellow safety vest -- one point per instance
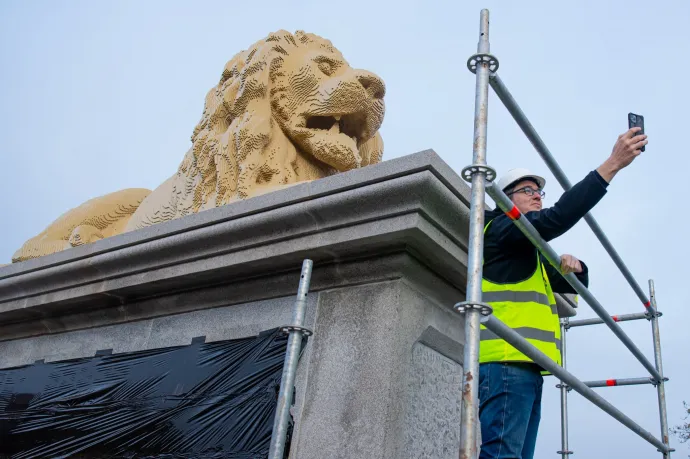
(529, 308)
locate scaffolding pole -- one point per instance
(481, 177)
(296, 333)
(531, 233)
(661, 391)
(477, 173)
(617, 318)
(619, 382)
(564, 452)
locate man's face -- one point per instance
(522, 200)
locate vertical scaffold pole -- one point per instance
(481, 64)
(564, 452)
(660, 389)
(294, 347)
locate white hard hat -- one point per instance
(515, 175)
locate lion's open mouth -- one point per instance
(351, 125)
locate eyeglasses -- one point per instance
(528, 191)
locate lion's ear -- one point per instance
(371, 151)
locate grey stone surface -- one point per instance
(361, 369)
(349, 381)
(433, 340)
(425, 311)
(380, 267)
(433, 413)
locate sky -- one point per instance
(101, 96)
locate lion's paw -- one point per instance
(84, 234)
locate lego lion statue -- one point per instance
(289, 109)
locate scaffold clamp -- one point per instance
(649, 316)
(480, 58)
(469, 171)
(484, 309)
(568, 453)
(567, 387)
(286, 329)
(655, 382)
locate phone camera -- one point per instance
(633, 118)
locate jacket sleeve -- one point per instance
(552, 222)
(558, 282)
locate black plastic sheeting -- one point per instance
(204, 400)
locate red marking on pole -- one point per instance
(610, 382)
(513, 213)
(647, 304)
(615, 318)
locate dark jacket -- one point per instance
(510, 257)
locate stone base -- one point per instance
(384, 375)
(381, 376)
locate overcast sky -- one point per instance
(100, 96)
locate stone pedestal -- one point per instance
(380, 378)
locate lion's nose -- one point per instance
(372, 84)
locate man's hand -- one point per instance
(626, 149)
(570, 264)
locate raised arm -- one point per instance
(552, 222)
(574, 204)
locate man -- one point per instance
(519, 284)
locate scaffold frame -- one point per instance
(484, 65)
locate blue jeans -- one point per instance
(509, 409)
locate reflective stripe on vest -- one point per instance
(519, 297)
(529, 308)
(528, 333)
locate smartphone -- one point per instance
(635, 120)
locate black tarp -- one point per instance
(203, 400)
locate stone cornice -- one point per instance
(415, 204)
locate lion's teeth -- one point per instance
(335, 127)
(337, 117)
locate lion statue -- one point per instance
(289, 109)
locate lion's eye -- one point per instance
(326, 67)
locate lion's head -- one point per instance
(288, 109)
